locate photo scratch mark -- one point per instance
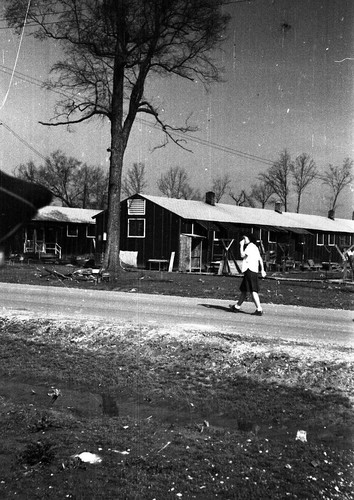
(345, 59)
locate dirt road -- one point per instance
(287, 322)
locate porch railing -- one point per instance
(53, 248)
(41, 248)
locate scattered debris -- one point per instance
(165, 446)
(56, 274)
(54, 394)
(87, 457)
(202, 426)
(301, 436)
(84, 274)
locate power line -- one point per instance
(32, 80)
(219, 147)
(226, 149)
(23, 140)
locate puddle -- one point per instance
(87, 404)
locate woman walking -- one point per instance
(252, 263)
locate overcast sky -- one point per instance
(288, 83)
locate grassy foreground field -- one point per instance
(173, 413)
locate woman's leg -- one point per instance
(256, 300)
(241, 299)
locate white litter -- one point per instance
(301, 436)
(88, 457)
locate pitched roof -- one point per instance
(66, 214)
(199, 210)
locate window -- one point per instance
(136, 206)
(136, 228)
(331, 239)
(90, 231)
(344, 240)
(272, 237)
(319, 239)
(72, 231)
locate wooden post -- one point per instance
(172, 258)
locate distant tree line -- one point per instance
(73, 183)
(76, 184)
(282, 179)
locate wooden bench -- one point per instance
(161, 263)
(313, 266)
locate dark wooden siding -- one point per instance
(161, 233)
(163, 229)
(57, 232)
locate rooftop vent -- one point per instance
(210, 198)
(277, 207)
(331, 214)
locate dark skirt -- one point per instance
(249, 282)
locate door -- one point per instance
(196, 255)
(185, 249)
(190, 253)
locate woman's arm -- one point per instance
(242, 249)
(263, 273)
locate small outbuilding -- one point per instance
(57, 232)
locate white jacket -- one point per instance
(252, 259)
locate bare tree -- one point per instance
(337, 178)
(220, 185)
(242, 199)
(134, 181)
(73, 183)
(304, 171)
(94, 182)
(175, 184)
(110, 48)
(189, 193)
(278, 177)
(262, 193)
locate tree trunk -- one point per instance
(118, 146)
(298, 203)
(111, 260)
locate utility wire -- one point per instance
(39, 83)
(214, 145)
(23, 140)
(203, 142)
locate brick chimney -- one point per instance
(277, 207)
(210, 198)
(331, 214)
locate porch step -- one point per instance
(48, 257)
